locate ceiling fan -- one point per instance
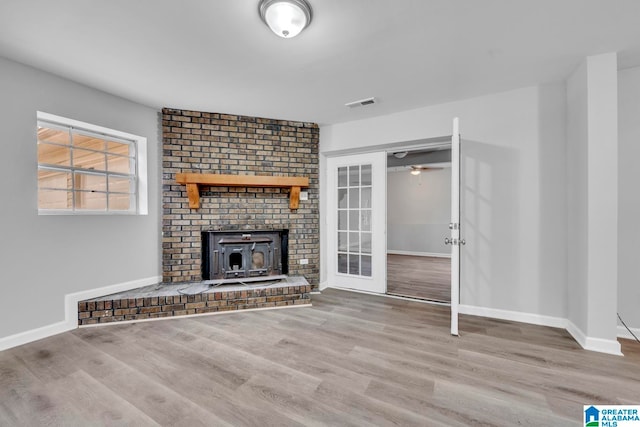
(417, 169)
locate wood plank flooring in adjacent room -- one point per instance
(350, 359)
(421, 277)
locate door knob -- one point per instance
(463, 242)
(447, 241)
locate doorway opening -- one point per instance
(418, 217)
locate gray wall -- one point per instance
(418, 211)
(629, 196)
(43, 258)
(513, 191)
(577, 194)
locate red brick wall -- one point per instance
(229, 144)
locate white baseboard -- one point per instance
(623, 333)
(323, 285)
(412, 253)
(588, 343)
(33, 335)
(516, 316)
(71, 312)
(603, 346)
(594, 344)
(576, 333)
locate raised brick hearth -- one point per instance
(158, 301)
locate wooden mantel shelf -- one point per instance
(194, 180)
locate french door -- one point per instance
(356, 222)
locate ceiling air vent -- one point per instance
(361, 102)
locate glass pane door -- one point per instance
(356, 195)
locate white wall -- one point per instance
(418, 211)
(629, 196)
(43, 258)
(513, 190)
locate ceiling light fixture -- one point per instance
(286, 18)
(415, 172)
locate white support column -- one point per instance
(602, 203)
(592, 133)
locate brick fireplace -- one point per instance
(258, 237)
(200, 142)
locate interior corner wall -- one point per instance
(629, 196)
(46, 257)
(513, 193)
(418, 211)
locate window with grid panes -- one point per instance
(81, 170)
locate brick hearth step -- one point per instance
(168, 300)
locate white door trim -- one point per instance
(455, 226)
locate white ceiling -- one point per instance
(218, 56)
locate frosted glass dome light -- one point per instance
(286, 18)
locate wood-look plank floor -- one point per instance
(421, 277)
(350, 359)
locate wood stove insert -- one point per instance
(240, 254)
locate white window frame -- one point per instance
(140, 144)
